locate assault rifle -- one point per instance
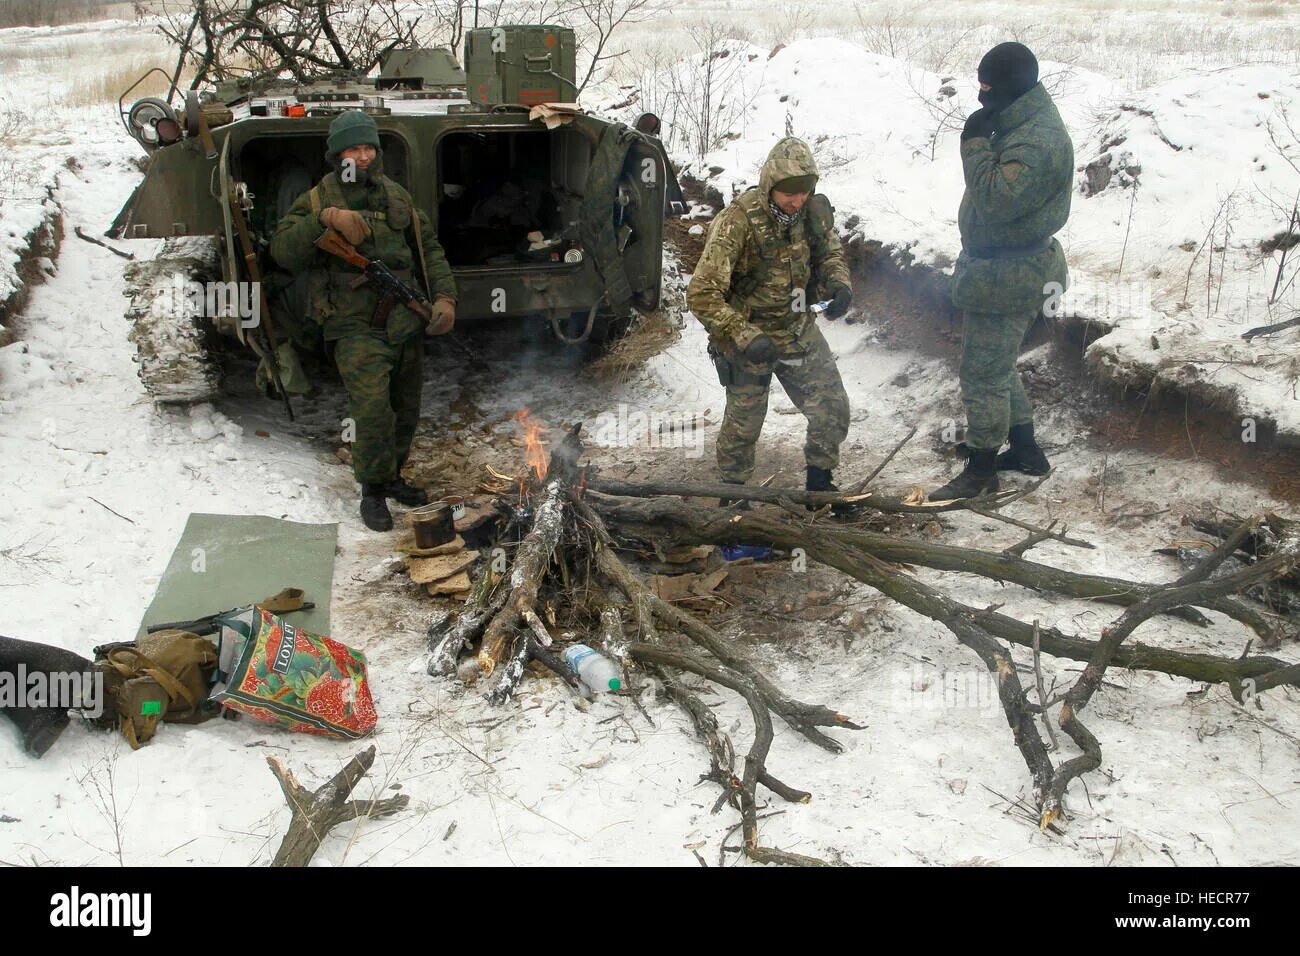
(265, 330)
(391, 289)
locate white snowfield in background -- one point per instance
(1165, 259)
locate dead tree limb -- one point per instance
(682, 523)
(855, 489)
(314, 814)
(1223, 552)
(1060, 536)
(650, 489)
(448, 636)
(805, 718)
(1270, 329)
(755, 760)
(1078, 696)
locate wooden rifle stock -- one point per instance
(391, 289)
(333, 242)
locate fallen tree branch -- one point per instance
(1034, 529)
(1224, 551)
(1270, 329)
(805, 718)
(855, 489)
(314, 814)
(683, 523)
(1078, 696)
(755, 760)
(632, 489)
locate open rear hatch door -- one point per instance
(623, 213)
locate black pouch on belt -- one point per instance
(722, 365)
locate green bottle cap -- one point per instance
(615, 683)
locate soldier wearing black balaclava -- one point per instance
(1018, 163)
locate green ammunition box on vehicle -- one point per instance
(523, 65)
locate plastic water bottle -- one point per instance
(598, 673)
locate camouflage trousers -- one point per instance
(816, 390)
(991, 389)
(383, 381)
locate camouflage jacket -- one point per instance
(339, 308)
(752, 273)
(1018, 186)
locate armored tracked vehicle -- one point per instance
(557, 217)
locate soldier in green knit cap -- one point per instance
(380, 364)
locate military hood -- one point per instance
(789, 157)
(1024, 108)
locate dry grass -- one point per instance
(52, 13)
(17, 180)
(106, 86)
(658, 331)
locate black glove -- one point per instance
(840, 299)
(761, 351)
(979, 125)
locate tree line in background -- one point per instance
(50, 13)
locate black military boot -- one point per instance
(374, 509)
(405, 493)
(741, 503)
(819, 479)
(979, 477)
(1024, 453)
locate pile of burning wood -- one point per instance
(545, 568)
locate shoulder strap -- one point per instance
(419, 248)
(327, 192)
(390, 184)
(744, 284)
(144, 665)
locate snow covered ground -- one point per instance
(1187, 191)
(1188, 777)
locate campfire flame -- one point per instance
(534, 450)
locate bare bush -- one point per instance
(298, 39)
(708, 93)
(790, 20)
(594, 23)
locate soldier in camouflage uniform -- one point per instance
(380, 365)
(764, 251)
(1019, 167)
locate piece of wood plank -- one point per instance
(428, 570)
(453, 586)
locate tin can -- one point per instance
(433, 524)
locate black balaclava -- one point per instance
(1011, 69)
